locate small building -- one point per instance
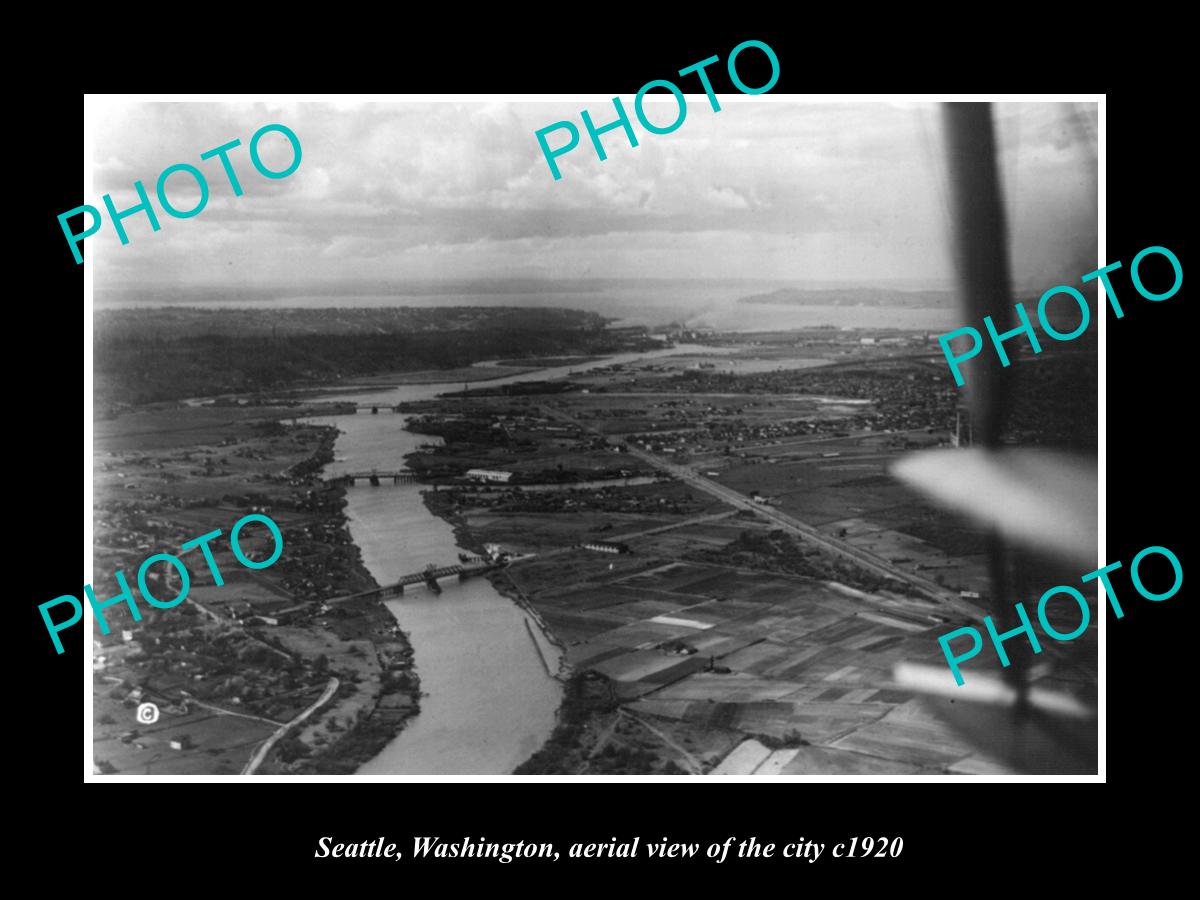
(491, 475)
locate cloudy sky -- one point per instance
(766, 188)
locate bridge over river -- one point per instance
(375, 477)
(429, 576)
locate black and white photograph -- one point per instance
(464, 436)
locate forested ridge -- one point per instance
(143, 356)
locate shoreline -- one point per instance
(259, 649)
(568, 714)
(499, 579)
(375, 730)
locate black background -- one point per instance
(157, 833)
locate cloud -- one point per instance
(437, 189)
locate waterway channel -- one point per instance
(486, 669)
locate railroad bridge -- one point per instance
(429, 576)
(375, 477)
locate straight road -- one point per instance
(857, 555)
(808, 532)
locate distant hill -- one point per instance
(171, 353)
(178, 321)
(853, 297)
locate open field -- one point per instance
(717, 641)
(699, 534)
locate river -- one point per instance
(489, 700)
